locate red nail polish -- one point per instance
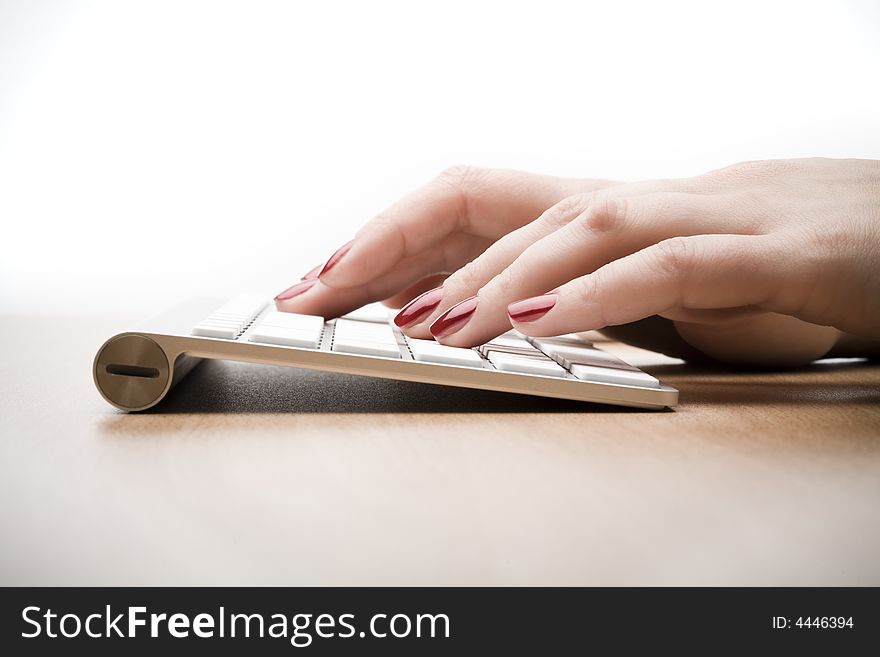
(296, 290)
(336, 257)
(454, 318)
(312, 273)
(533, 308)
(419, 308)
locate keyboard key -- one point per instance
(213, 321)
(595, 358)
(287, 337)
(237, 324)
(310, 323)
(355, 345)
(214, 331)
(536, 355)
(567, 340)
(372, 312)
(428, 351)
(506, 362)
(509, 344)
(228, 321)
(511, 339)
(289, 330)
(630, 376)
(568, 356)
(564, 350)
(366, 330)
(367, 338)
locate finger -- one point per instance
(704, 271)
(486, 203)
(468, 279)
(313, 297)
(465, 282)
(610, 228)
(402, 298)
(313, 272)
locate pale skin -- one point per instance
(772, 263)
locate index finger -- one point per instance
(483, 203)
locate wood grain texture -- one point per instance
(265, 475)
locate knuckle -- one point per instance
(467, 278)
(747, 167)
(675, 256)
(462, 180)
(389, 227)
(606, 213)
(587, 288)
(831, 239)
(461, 176)
(565, 210)
(589, 293)
(381, 219)
(751, 169)
(799, 290)
(507, 284)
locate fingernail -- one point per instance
(454, 318)
(533, 308)
(419, 308)
(296, 290)
(336, 257)
(312, 273)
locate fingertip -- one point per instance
(313, 272)
(334, 259)
(295, 290)
(535, 329)
(417, 332)
(418, 310)
(454, 318)
(554, 313)
(357, 262)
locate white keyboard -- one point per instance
(370, 332)
(364, 342)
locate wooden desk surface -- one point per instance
(271, 476)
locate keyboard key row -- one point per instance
(230, 319)
(590, 364)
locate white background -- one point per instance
(152, 150)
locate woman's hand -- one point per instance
(425, 236)
(753, 263)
